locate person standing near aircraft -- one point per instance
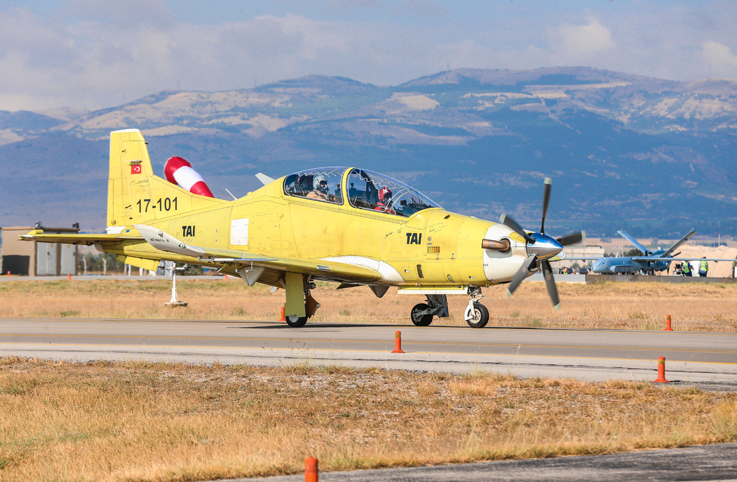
(687, 269)
(704, 268)
(320, 188)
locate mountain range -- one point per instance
(624, 151)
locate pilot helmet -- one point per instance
(385, 195)
(320, 183)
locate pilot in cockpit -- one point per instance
(320, 188)
(385, 201)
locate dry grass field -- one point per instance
(639, 306)
(154, 422)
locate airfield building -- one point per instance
(30, 258)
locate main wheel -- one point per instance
(295, 321)
(480, 316)
(418, 318)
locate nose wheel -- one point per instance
(476, 315)
(479, 316)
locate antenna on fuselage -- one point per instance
(231, 194)
(264, 178)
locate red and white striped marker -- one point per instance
(178, 171)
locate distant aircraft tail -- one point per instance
(634, 242)
(135, 194)
(678, 244)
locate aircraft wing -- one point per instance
(632, 240)
(656, 258)
(578, 258)
(324, 269)
(86, 239)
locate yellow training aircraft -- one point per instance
(345, 225)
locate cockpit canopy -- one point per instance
(366, 190)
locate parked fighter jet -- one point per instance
(346, 225)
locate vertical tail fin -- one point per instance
(634, 242)
(135, 194)
(678, 244)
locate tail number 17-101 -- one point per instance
(162, 204)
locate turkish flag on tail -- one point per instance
(135, 168)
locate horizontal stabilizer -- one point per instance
(86, 239)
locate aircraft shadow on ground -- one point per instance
(283, 326)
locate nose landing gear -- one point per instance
(476, 315)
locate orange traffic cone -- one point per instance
(397, 342)
(661, 371)
(283, 318)
(667, 324)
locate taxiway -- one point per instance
(705, 359)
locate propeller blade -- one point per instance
(550, 283)
(546, 202)
(572, 238)
(509, 221)
(520, 275)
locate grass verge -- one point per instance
(635, 306)
(152, 422)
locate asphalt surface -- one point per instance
(705, 359)
(707, 462)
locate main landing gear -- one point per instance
(300, 305)
(296, 321)
(423, 313)
(476, 315)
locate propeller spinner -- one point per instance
(540, 248)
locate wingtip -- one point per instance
(548, 180)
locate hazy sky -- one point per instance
(95, 54)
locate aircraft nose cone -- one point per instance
(545, 247)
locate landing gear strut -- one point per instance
(422, 313)
(300, 302)
(476, 315)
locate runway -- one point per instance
(707, 359)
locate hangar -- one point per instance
(29, 258)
